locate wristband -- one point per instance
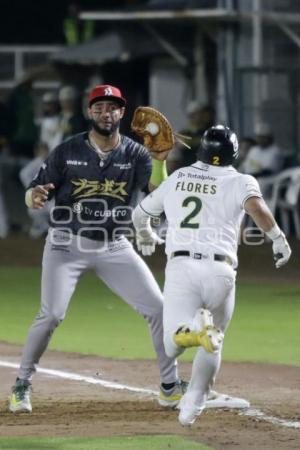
(274, 233)
(159, 172)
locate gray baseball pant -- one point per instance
(66, 257)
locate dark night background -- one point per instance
(40, 22)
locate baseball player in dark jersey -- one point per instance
(92, 177)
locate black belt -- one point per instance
(221, 258)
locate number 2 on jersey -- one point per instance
(187, 222)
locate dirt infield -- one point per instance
(72, 408)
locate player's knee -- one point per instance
(154, 316)
(52, 320)
(171, 348)
(55, 320)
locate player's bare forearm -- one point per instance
(260, 213)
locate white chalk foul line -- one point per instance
(256, 413)
(90, 380)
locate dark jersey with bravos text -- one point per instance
(92, 196)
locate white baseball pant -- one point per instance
(192, 284)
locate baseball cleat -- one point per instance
(20, 397)
(188, 413)
(204, 333)
(171, 397)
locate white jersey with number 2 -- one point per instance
(204, 206)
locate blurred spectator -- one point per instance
(5, 126)
(75, 30)
(85, 103)
(4, 227)
(55, 127)
(39, 217)
(4, 134)
(50, 133)
(265, 158)
(245, 144)
(200, 117)
(18, 135)
(72, 120)
(23, 132)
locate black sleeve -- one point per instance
(143, 168)
(50, 171)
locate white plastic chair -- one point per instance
(281, 193)
(269, 187)
(288, 206)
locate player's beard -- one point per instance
(104, 131)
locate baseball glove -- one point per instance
(154, 128)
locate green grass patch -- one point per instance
(115, 443)
(264, 326)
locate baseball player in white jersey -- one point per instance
(204, 204)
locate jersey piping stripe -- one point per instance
(205, 170)
(249, 196)
(152, 215)
(199, 168)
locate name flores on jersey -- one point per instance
(201, 188)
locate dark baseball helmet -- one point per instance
(219, 146)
